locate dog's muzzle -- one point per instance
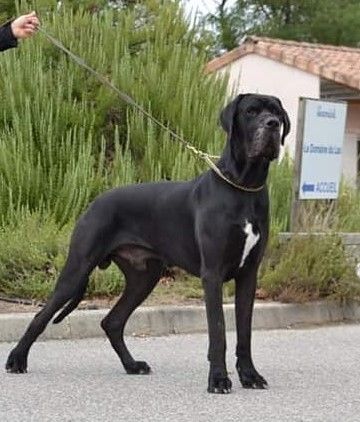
(266, 141)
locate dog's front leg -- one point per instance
(218, 382)
(244, 302)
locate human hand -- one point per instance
(25, 26)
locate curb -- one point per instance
(164, 320)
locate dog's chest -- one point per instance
(252, 238)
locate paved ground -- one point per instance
(313, 375)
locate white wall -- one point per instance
(257, 74)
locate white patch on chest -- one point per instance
(250, 242)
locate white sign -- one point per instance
(323, 135)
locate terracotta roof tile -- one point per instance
(337, 63)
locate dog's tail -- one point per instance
(72, 304)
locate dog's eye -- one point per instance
(252, 111)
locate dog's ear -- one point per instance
(286, 129)
(285, 121)
(227, 115)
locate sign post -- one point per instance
(318, 153)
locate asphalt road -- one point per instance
(313, 376)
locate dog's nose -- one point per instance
(272, 123)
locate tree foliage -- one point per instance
(10, 8)
(323, 21)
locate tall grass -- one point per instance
(341, 215)
(309, 268)
(280, 192)
(64, 137)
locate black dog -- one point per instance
(205, 226)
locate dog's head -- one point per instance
(253, 124)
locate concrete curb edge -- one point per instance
(164, 320)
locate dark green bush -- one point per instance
(307, 268)
(64, 138)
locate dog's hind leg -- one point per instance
(139, 284)
(70, 280)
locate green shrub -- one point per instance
(32, 251)
(342, 215)
(280, 192)
(64, 137)
(308, 268)
(107, 283)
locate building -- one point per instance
(291, 69)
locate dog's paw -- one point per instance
(250, 378)
(16, 363)
(219, 383)
(138, 368)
